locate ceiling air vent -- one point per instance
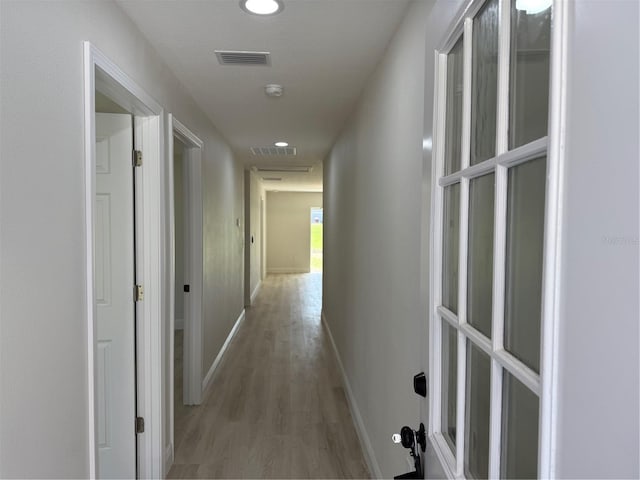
(272, 179)
(284, 169)
(273, 151)
(228, 57)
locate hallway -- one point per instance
(276, 407)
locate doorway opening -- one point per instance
(179, 208)
(122, 127)
(186, 278)
(316, 240)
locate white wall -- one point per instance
(289, 230)
(598, 424)
(43, 377)
(372, 192)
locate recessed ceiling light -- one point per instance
(281, 144)
(262, 7)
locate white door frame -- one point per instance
(247, 238)
(193, 266)
(102, 74)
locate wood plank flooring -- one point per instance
(275, 407)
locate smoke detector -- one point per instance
(274, 90)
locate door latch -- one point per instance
(408, 438)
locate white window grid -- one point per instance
(544, 384)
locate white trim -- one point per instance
(287, 270)
(495, 419)
(185, 135)
(149, 273)
(246, 287)
(168, 459)
(103, 75)
(193, 256)
(440, 82)
(448, 315)
(468, 9)
(256, 291)
(90, 189)
(515, 157)
(172, 324)
(478, 339)
(553, 241)
(467, 42)
(223, 349)
(519, 370)
(444, 454)
(461, 402)
(504, 48)
(361, 430)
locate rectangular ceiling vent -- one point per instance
(272, 179)
(274, 151)
(228, 57)
(284, 169)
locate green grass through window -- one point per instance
(316, 247)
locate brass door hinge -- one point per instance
(137, 158)
(139, 425)
(138, 293)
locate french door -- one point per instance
(490, 215)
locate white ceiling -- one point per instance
(322, 52)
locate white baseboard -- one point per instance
(255, 291)
(365, 443)
(218, 359)
(288, 270)
(179, 324)
(168, 459)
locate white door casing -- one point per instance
(104, 76)
(114, 281)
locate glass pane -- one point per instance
(523, 275)
(453, 128)
(519, 430)
(529, 70)
(450, 247)
(480, 264)
(476, 443)
(484, 89)
(449, 384)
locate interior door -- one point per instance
(114, 270)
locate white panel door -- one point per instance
(114, 270)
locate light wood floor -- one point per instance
(276, 407)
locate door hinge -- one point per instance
(138, 293)
(137, 158)
(139, 425)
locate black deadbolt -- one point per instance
(420, 384)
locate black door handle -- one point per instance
(408, 438)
